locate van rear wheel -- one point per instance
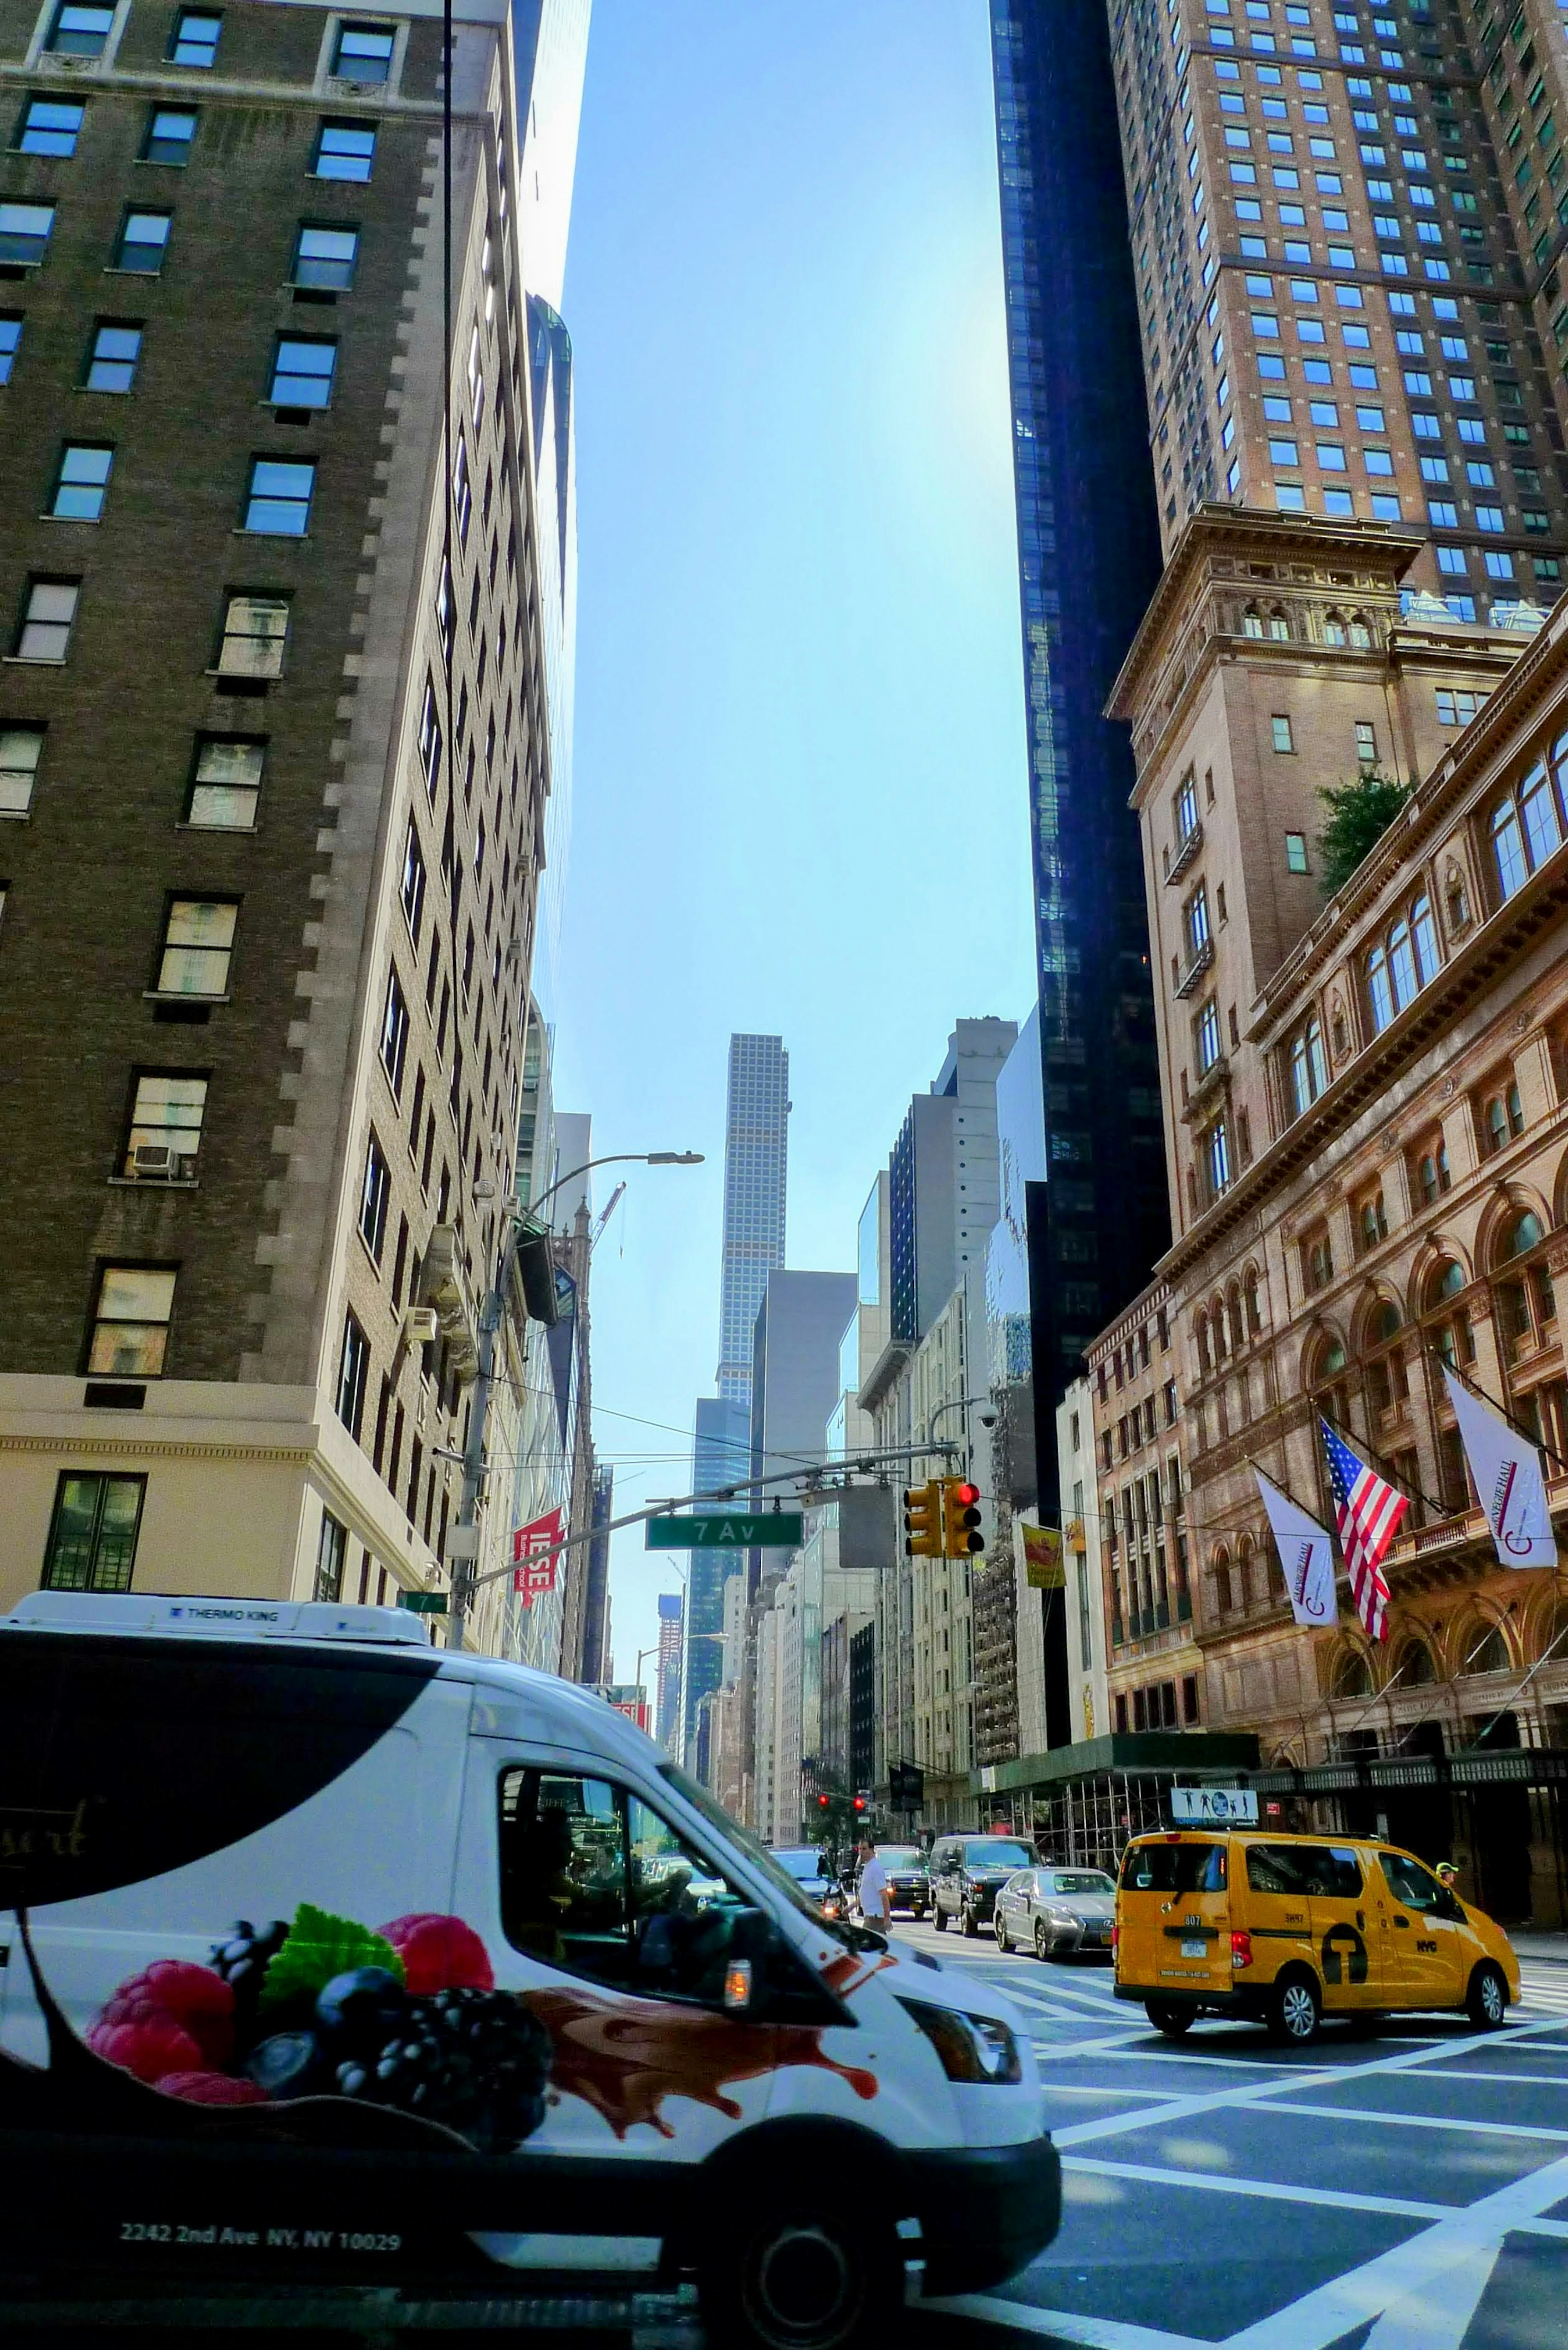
(802, 2277)
(1296, 2011)
(1174, 2021)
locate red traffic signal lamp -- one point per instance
(860, 1803)
(823, 1802)
(961, 1532)
(923, 1522)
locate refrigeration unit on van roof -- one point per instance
(213, 1616)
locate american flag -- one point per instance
(1368, 1512)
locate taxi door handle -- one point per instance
(1361, 1920)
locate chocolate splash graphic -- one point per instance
(625, 2057)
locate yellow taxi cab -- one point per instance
(1289, 1929)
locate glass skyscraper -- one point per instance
(1089, 561)
(755, 1177)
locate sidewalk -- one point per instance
(1550, 1948)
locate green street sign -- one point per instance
(772, 1530)
(423, 1603)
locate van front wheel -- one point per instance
(800, 2279)
(1295, 2011)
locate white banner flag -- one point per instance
(1306, 1555)
(1506, 1467)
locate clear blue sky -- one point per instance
(800, 783)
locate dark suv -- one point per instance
(967, 1872)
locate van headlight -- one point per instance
(971, 2047)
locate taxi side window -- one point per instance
(1327, 1870)
(1174, 1869)
(1408, 1882)
(595, 1882)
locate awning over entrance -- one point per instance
(1173, 1753)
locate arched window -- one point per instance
(1233, 1311)
(1250, 1290)
(1402, 963)
(1483, 1649)
(1453, 1336)
(1445, 1283)
(1279, 627)
(1526, 828)
(1360, 634)
(1424, 932)
(1309, 1065)
(1334, 629)
(1222, 1595)
(1331, 1361)
(1524, 1234)
(1384, 1323)
(1496, 1124)
(1351, 1675)
(1205, 1361)
(1432, 1172)
(1508, 848)
(1413, 1666)
(1543, 832)
(1217, 1324)
(1379, 988)
(1252, 621)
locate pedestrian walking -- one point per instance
(874, 1903)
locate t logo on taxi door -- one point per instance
(1340, 1938)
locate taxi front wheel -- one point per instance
(1295, 2011)
(1486, 2004)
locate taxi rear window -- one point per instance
(1327, 1870)
(1174, 1869)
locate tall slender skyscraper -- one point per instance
(756, 1172)
(1088, 563)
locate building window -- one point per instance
(21, 748)
(255, 629)
(130, 1337)
(412, 891)
(475, 379)
(1432, 1176)
(277, 504)
(345, 150)
(226, 785)
(394, 1035)
(25, 230)
(81, 484)
(171, 132)
(198, 947)
(112, 356)
(92, 1533)
(143, 241)
(10, 344)
(1196, 915)
(461, 491)
(363, 53)
(48, 617)
(353, 1371)
(1309, 1067)
(1317, 1261)
(79, 32)
(49, 127)
(302, 372)
(325, 257)
(430, 738)
(1365, 742)
(1284, 739)
(1404, 962)
(1295, 852)
(1503, 1118)
(331, 1556)
(1206, 1038)
(164, 1140)
(195, 40)
(1371, 1220)
(375, 1197)
(1526, 826)
(1217, 1158)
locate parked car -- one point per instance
(967, 1872)
(310, 1922)
(909, 1877)
(1056, 1911)
(812, 1872)
(1286, 1928)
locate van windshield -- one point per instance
(1174, 1869)
(854, 1938)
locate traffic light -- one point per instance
(961, 1536)
(859, 1804)
(922, 1523)
(823, 1802)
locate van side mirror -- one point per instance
(751, 1941)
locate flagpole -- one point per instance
(1411, 1491)
(1481, 1396)
(1515, 1695)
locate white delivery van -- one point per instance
(327, 1957)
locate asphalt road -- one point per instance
(1408, 2192)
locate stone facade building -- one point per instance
(276, 667)
(1368, 1159)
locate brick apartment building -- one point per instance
(274, 783)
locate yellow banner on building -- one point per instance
(1043, 1567)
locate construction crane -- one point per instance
(607, 1213)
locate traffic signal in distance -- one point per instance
(922, 1521)
(822, 1803)
(961, 1536)
(860, 1803)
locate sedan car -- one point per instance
(808, 1865)
(1056, 1912)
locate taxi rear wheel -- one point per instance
(1486, 2003)
(1295, 2011)
(1175, 2023)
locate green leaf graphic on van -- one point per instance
(319, 1946)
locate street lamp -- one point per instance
(462, 1577)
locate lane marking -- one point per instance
(1523, 2080)
(1065, 2324)
(1176, 2109)
(1270, 2191)
(1425, 2121)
